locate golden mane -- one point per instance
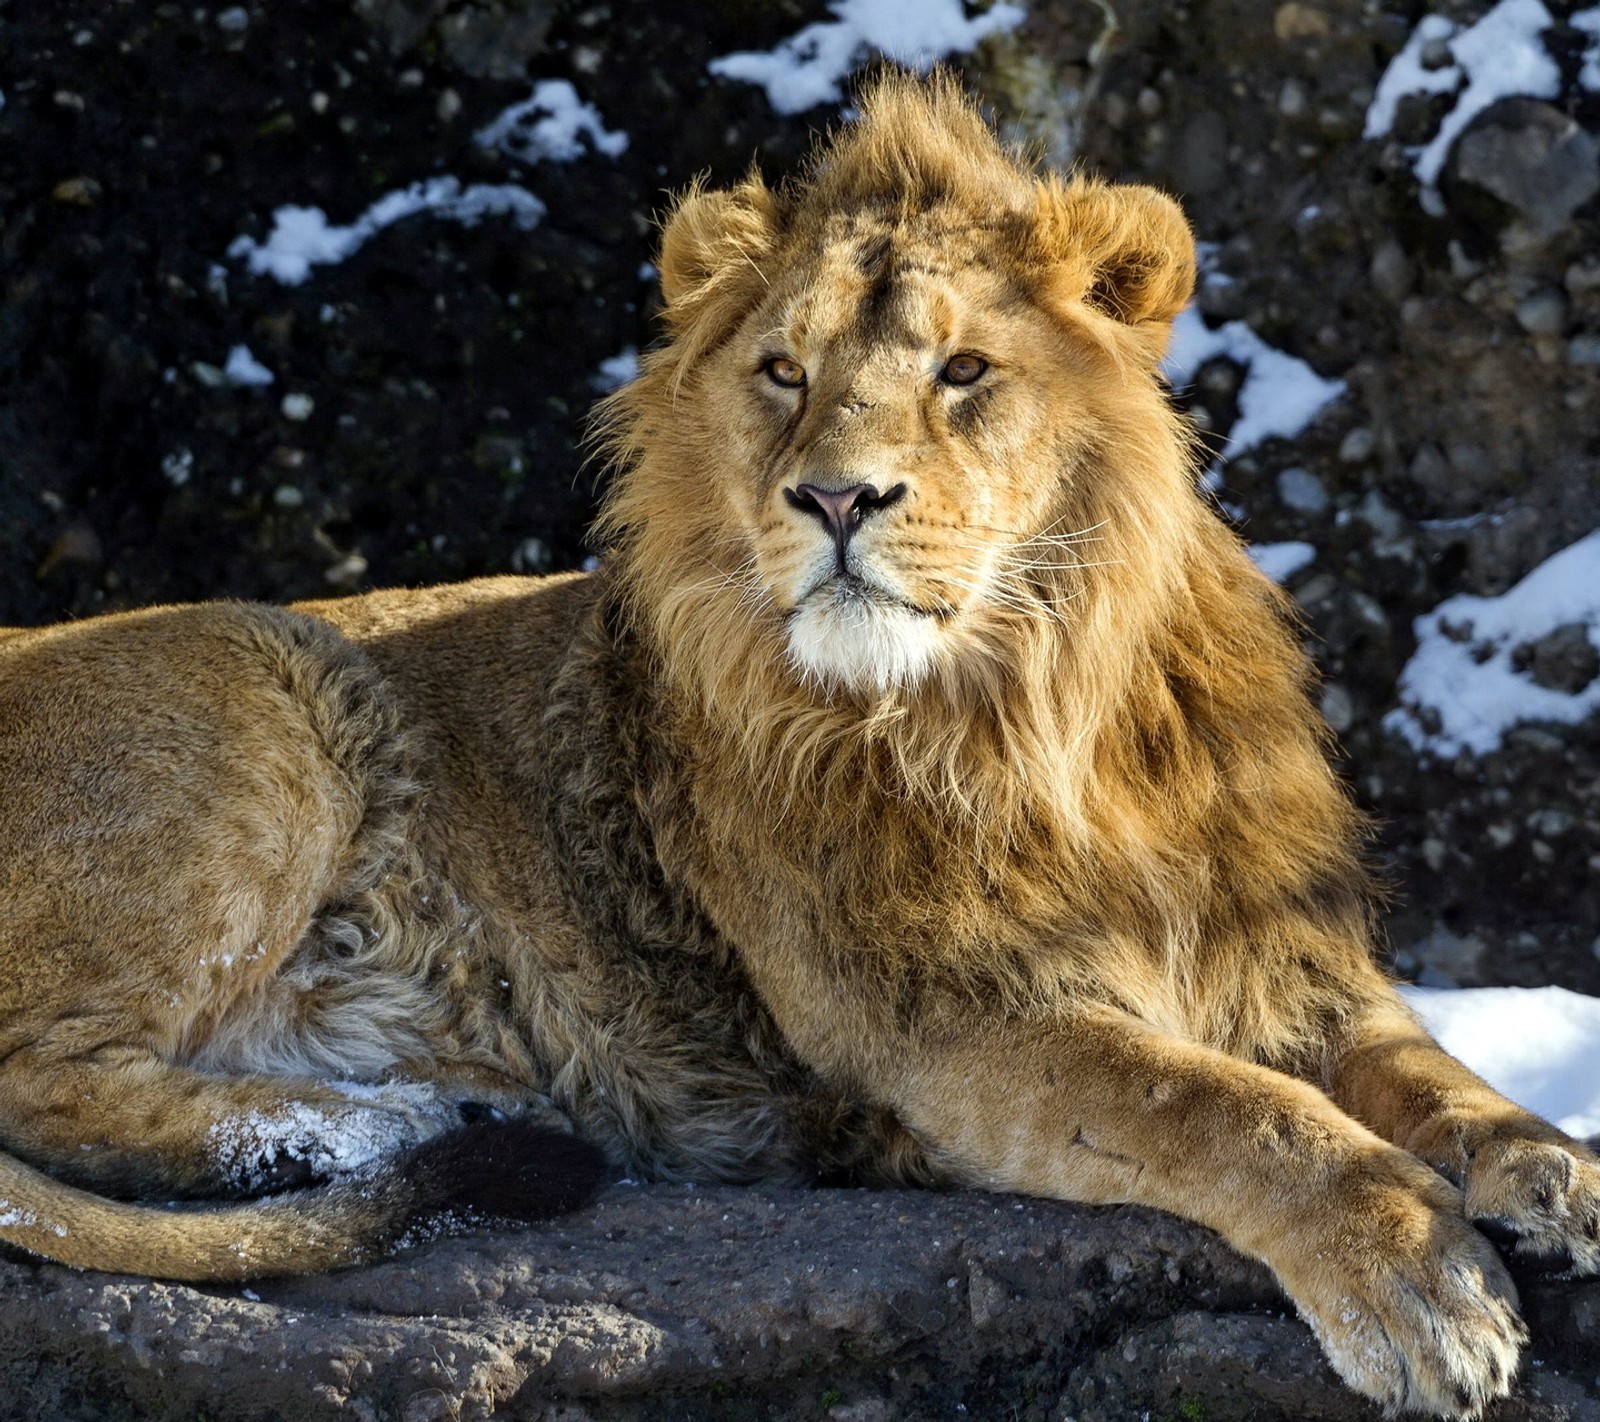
(1088, 743)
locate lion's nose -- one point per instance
(841, 510)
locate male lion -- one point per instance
(926, 790)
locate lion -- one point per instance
(925, 789)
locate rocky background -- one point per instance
(425, 423)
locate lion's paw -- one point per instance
(1415, 1309)
(1540, 1201)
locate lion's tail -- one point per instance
(501, 1172)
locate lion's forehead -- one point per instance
(908, 283)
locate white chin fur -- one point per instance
(860, 644)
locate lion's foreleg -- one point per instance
(1413, 1305)
(1524, 1181)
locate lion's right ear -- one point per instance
(713, 240)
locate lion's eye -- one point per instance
(963, 369)
(787, 373)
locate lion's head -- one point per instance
(908, 525)
(879, 435)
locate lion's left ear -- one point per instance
(1124, 249)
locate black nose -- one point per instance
(841, 510)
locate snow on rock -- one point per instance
(1588, 21)
(1281, 561)
(809, 68)
(1539, 1046)
(549, 126)
(1500, 56)
(616, 371)
(1461, 691)
(243, 368)
(302, 237)
(1281, 394)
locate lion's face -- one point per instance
(906, 407)
(896, 459)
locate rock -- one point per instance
(1582, 277)
(1531, 157)
(78, 192)
(77, 547)
(1562, 660)
(1584, 349)
(489, 39)
(1543, 313)
(495, 40)
(1295, 21)
(1430, 471)
(1303, 491)
(1446, 959)
(1338, 710)
(1357, 446)
(1391, 271)
(1200, 158)
(666, 1302)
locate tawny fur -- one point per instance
(994, 844)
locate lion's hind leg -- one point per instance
(1526, 1184)
(119, 1120)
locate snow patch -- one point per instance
(1281, 561)
(1281, 394)
(302, 237)
(810, 67)
(330, 1141)
(1462, 673)
(1500, 56)
(243, 368)
(1539, 1046)
(549, 125)
(616, 371)
(1588, 21)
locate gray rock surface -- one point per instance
(666, 1303)
(1532, 157)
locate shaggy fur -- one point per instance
(978, 831)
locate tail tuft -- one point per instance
(501, 1172)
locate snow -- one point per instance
(302, 237)
(548, 126)
(1500, 56)
(1462, 669)
(248, 1146)
(616, 371)
(243, 368)
(1281, 394)
(551, 124)
(1539, 1046)
(1588, 21)
(1281, 561)
(810, 67)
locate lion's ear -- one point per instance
(711, 236)
(1124, 249)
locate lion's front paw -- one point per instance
(1541, 1201)
(1413, 1306)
